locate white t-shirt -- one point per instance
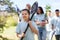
(39, 17)
(48, 26)
(29, 34)
(56, 22)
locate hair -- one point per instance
(40, 8)
(57, 10)
(26, 10)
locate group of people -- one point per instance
(42, 24)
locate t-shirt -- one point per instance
(56, 22)
(21, 28)
(48, 26)
(39, 17)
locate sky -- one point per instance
(55, 4)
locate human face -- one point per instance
(49, 14)
(25, 15)
(57, 13)
(38, 11)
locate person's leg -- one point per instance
(48, 35)
(44, 34)
(40, 33)
(57, 37)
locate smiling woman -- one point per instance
(23, 25)
(25, 14)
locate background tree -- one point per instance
(9, 4)
(48, 7)
(3, 18)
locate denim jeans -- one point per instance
(42, 33)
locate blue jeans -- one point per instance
(42, 33)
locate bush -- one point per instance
(11, 22)
(8, 21)
(2, 23)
